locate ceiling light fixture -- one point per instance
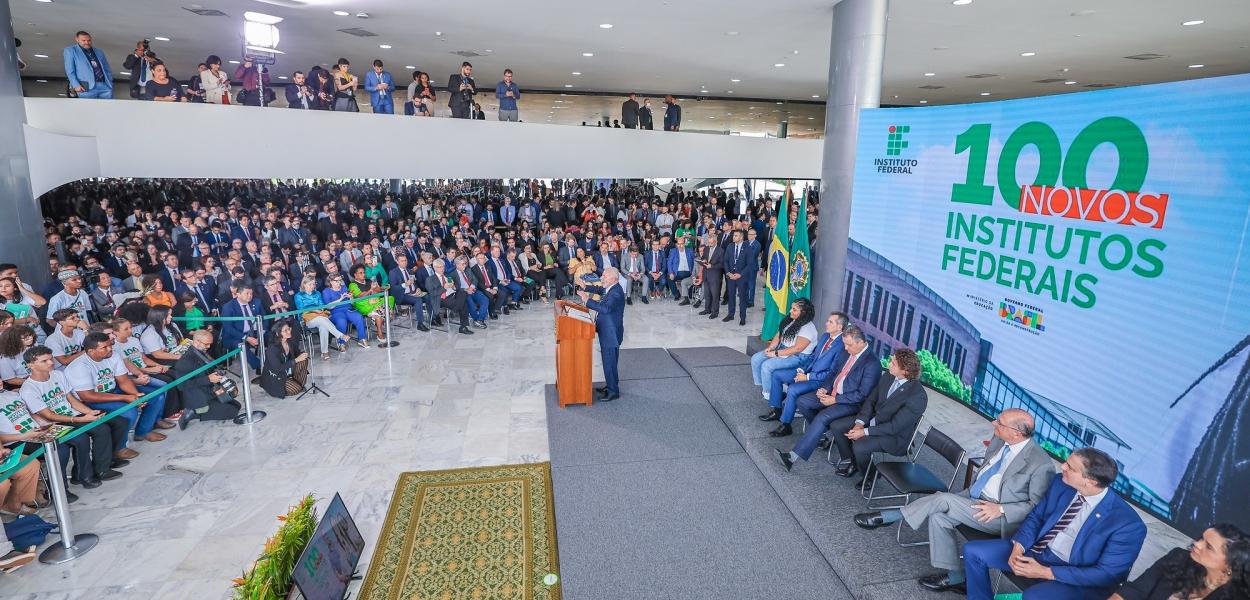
(588, 54)
(160, 38)
(41, 56)
(779, 65)
(44, 1)
(605, 26)
(1028, 54)
(282, 77)
(233, 62)
(1069, 83)
(577, 72)
(815, 95)
(342, 13)
(930, 74)
(962, 2)
(568, 85)
(41, 81)
(438, 33)
(924, 101)
(735, 81)
(409, 67)
(125, 72)
(985, 93)
(1196, 66)
(384, 46)
(1194, 22)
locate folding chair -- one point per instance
(912, 479)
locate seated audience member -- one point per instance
(13, 344)
(235, 332)
(1215, 566)
(475, 299)
(489, 281)
(286, 363)
(188, 308)
(342, 312)
(309, 298)
(445, 291)
(1080, 541)
(370, 308)
(791, 347)
(20, 302)
(101, 381)
(48, 397)
(407, 291)
(71, 296)
(66, 339)
(857, 372)
(1011, 481)
(102, 296)
(806, 378)
(520, 287)
(552, 270)
(652, 272)
(886, 421)
(202, 398)
(681, 263)
(15, 490)
(161, 339)
(155, 293)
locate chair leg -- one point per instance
(899, 534)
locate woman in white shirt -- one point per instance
(216, 85)
(789, 348)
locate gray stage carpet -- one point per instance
(648, 363)
(674, 491)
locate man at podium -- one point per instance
(610, 325)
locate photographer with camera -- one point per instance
(299, 94)
(139, 63)
(461, 88)
(205, 397)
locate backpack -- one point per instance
(27, 531)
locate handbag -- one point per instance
(28, 531)
(313, 314)
(346, 104)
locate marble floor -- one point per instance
(192, 511)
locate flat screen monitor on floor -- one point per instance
(329, 561)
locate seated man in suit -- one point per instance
(1011, 482)
(654, 271)
(488, 283)
(887, 421)
(445, 291)
(234, 332)
(806, 378)
(1081, 540)
(407, 291)
(604, 259)
(858, 370)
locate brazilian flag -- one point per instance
(800, 256)
(777, 302)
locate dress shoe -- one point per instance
(742, 322)
(846, 469)
(422, 327)
(165, 424)
(630, 301)
(870, 520)
(704, 312)
(698, 304)
(151, 436)
(495, 316)
(785, 459)
(772, 415)
(465, 330)
(684, 302)
(125, 453)
(609, 397)
(184, 420)
(437, 322)
(645, 301)
(714, 316)
(91, 484)
(824, 443)
(941, 582)
(782, 430)
(110, 475)
(727, 319)
(71, 497)
(602, 391)
(118, 463)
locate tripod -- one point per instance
(310, 388)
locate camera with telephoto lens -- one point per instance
(226, 387)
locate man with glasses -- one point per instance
(1010, 482)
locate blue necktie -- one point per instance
(978, 486)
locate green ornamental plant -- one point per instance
(935, 374)
(269, 578)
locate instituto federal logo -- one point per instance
(894, 145)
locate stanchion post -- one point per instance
(386, 317)
(71, 546)
(249, 416)
(260, 340)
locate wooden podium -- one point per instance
(575, 330)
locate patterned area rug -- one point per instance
(485, 532)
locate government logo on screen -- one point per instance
(895, 144)
(1024, 316)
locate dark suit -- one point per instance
(401, 281)
(629, 114)
(198, 397)
(817, 367)
(889, 419)
(857, 385)
(712, 274)
(447, 296)
(610, 327)
(293, 98)
(601, 263)
(460, 102)
(737, 262)
(484, 279)
(233, 332)
(169, 279)
(1105, 548)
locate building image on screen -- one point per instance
(329, 561)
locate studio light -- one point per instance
(260, 32)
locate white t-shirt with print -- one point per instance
(130, 351)
(64, 346)
(86, 375)
(79, 303)
(53, 393)
(151, 341)
(12, 367)
(15, 418)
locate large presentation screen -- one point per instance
(1084, 257)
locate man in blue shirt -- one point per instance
(380, 85)
(507, 92)
(87, 69)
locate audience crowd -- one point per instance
(88, 75)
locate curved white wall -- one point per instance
(152, 139)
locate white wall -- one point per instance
(152, 139)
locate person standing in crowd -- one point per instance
(345, 85)
(421, 94)
(253, 76)
(380, 85)
(739, 264)
(194, 92)
(644, 115)
(609, 326)
(1081, 540)
(508, 93)
(461, 88)
(713, 261)
(140, 64)
(629, 112)
(87, 69)
(1216, 566)
(161, 87)
(1011, 481)
(672, 114)
(216, 85)
(478, 113)
(299, 94)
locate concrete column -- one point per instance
(396, 186)
(856, 57)
(22, 240)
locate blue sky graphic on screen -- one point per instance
(1118, 220)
